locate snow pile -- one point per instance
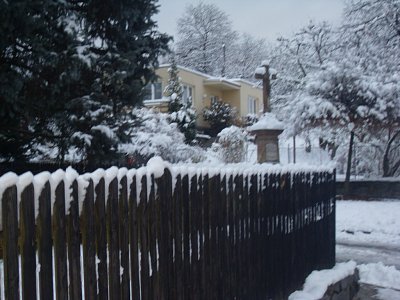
(318, 282)
(380, 275)
(267, 121)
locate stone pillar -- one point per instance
(267, 145)
(268, 128)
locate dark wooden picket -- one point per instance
(176, 236)
(45, 244)
(88, 243)
(59, 240)
(27, 240)
(10, 246)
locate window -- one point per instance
(251, 105)
(187, 96)
(214, 99)
(152, 91)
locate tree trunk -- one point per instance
(294, 149)
(386, 166)
(349, 158)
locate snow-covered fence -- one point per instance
(166, 232)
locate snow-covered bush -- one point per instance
(154, 135)
(220, 115)
(250, 119)
(185, 118)
(231, 145)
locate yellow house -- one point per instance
(201, 90)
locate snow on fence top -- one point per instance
(155, 169)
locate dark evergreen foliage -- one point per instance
(67, 67)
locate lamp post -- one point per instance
(268, 128)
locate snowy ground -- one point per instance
(368, 232)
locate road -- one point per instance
(367, 253)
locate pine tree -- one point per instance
(68, 67)
(174, 89)
(181, 114)
(220, 115)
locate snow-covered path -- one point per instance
(368, 232)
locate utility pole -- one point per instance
(224, 60)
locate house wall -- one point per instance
(248, 89)
(202, 94)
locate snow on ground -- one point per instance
(368, 222)
(380, 275)
(369, 233)
(388, 294)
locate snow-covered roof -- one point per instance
(187, 69)
(222, 82)
(209, 78)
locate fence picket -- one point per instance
(74, 253)
(59, 238)
(113, 240)
(27, 240)
(134, 240)
(89, 243)
(45, 244)
(143, 242)
(101, 240)
(10, 243)
(124, 237)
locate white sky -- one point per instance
(262, 18)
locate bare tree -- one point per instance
(203, 31)
(249, 53)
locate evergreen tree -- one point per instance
(181, 114)
(38, 73)
(174, 89)
(68, 67)
(220, 115)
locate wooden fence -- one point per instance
(143, 235)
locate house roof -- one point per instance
(221, 82)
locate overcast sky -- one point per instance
(262, 18)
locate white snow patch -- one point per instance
(39, 181)
(380, 275)
(317, 282)
(387, 294)
(266, 62)
(267, 121)
(105, 130)
(23, 181)
(260, 71)
(156, 166)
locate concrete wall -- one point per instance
(345, 289)
(369, 190)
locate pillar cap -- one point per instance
(268, 121)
